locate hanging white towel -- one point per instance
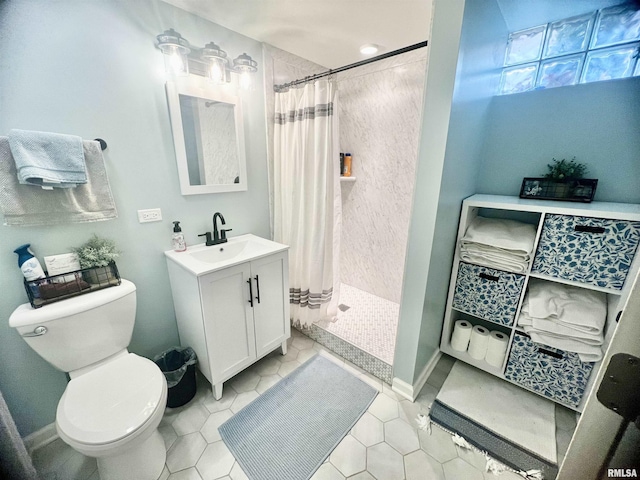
(48, 160)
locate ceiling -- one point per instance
(330, 32)
(327, 32)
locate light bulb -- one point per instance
(176, 62)
(216, 72)
(245, 80)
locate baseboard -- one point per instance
(40, 438)
(411, 392)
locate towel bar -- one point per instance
(103, 144)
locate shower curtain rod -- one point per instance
(352, 65)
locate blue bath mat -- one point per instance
(289, 431)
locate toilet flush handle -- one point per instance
(36, 332)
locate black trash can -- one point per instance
(179, 368)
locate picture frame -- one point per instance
(569, 190)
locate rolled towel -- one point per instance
(48, 160)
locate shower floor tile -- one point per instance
(366, 321)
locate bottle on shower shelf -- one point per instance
(347, 165)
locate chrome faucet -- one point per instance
(219, 236)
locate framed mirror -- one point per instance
(208, 137)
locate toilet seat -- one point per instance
(112, 401)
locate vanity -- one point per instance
(231, 302)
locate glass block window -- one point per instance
(568, 36)
(525, 45)
(600, 45)
(558, 72)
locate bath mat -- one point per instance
(289, 431)
(512, 425)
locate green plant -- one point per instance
(97, 252)
(562, 169)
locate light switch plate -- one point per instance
(149, 215)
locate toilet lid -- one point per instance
(112, 401)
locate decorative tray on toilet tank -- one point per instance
(60, 287)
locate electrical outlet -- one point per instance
(149, 215)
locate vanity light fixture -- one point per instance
(210, 61)
(369, 49)
(176, 50)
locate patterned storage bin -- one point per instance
(595, 251)
(554, 373)
(487, 293)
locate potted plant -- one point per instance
(563, 170)
(95, 253)
(563, 181)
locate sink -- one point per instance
(202, 259)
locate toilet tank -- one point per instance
(81, 330)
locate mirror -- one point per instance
(208, 136)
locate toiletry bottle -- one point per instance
(179, 245)
(341, 163)
(347, 164)
(31, 268)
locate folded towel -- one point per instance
(582, 309)
(48, 159)
(555, 329)
(587, 353)
(25, 205)
(495, 261)
(505, 234)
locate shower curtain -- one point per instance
(307, 207)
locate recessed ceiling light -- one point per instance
(369, 49)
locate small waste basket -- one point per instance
(179, 368)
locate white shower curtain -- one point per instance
(307, 207)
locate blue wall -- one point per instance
(482, 41)
(598, 123)
(90, 68)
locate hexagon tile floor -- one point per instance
(384, 445)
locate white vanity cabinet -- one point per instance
(232, 316)
(590, 246)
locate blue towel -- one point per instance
(48, 159)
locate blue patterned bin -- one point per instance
(595, 251)
(554, 373)
(487, 293)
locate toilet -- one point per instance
(114, 402)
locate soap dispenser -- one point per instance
(179, 245)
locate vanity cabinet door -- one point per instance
(270, 302)
(228, 321)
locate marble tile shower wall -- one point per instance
(380, 111)
(379, 107)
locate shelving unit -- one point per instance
(536, 212)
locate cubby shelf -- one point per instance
(536, 211)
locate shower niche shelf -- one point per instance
(347, 179)
(548, 216)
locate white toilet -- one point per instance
(114, 402)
